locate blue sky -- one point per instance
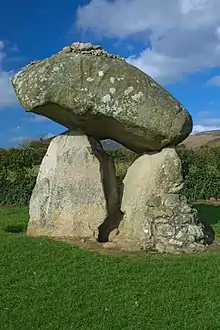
(177, 42)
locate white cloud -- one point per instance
(48, 136)
(37, 119)
(23, 139)
(214, 81)
(7, 95)
(204, 113)
(210, 122)
(201, 128)
(184, 34)
(19, 139)
(206, 124)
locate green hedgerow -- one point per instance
(19, 168)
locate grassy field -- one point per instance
(46, 284)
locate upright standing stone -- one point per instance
(76, 190)
(156, 213)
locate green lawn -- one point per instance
(46, 284)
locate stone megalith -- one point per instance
(156, 213)
(72, 197)
(106, 97)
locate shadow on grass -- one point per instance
(209, 215)
(16, 229)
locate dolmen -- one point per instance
(96, 96)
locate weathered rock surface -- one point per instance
(106, 97)
(88, 48)
(75, 194)
(156, 213)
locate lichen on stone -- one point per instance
(88, 48)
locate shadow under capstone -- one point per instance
(16, 229)
(208, 217)
(110, 187)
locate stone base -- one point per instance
(156, 213)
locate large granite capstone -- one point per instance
(106, 97)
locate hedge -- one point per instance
(19, 168)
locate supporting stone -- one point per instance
(76, 190)
(156, 213)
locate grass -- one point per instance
(46, 284)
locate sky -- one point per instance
(176, 42)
